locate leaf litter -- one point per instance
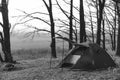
(40, 69)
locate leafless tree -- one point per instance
(103, 32)
(53, 42)
(100, 7)
(82, 23)
(70, 18)
(118, 38)
(71, 23)
(5, 37)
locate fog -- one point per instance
(37, 42)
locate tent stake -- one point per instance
(50, 61)
(62, 53)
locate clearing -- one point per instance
(31, 67)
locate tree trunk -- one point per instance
(82, 23)
(6, 32)
(100, 8)
(53, 42)
(103, 34)
(76, 33)
(91, 23)
(71, 24)
(1, 59)
(118, 38)
(115, 19)
(111, 38)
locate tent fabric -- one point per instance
(73, 59)
(90, 58)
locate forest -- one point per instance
(72, 26)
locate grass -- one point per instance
(30, 54)
(35, 65)
(25, 54)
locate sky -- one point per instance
(33, 6)
(28, 6)
(25, 5)
(37, 6)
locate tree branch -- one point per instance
(62, 9)
(44, 30)
(48, 8)
(1, 24)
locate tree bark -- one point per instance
(53, 44)
(91, 24)
(118, 38)
(82, 23)
(100, 6)
(6, 32)
(53, 41)
(103, 33)
(114, 39)
(71, 24)
(1, 59)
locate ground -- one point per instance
(32, 67)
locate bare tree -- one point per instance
(53, 42)
(118, 38)
(6, 47)
(70, 18)
(103, 33)
(82, 23)
(71, 24)
(91, 24)
(112, 22)
(114, 29)
(100, 6)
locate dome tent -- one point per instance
(87, 56)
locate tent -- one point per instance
(87, 56)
